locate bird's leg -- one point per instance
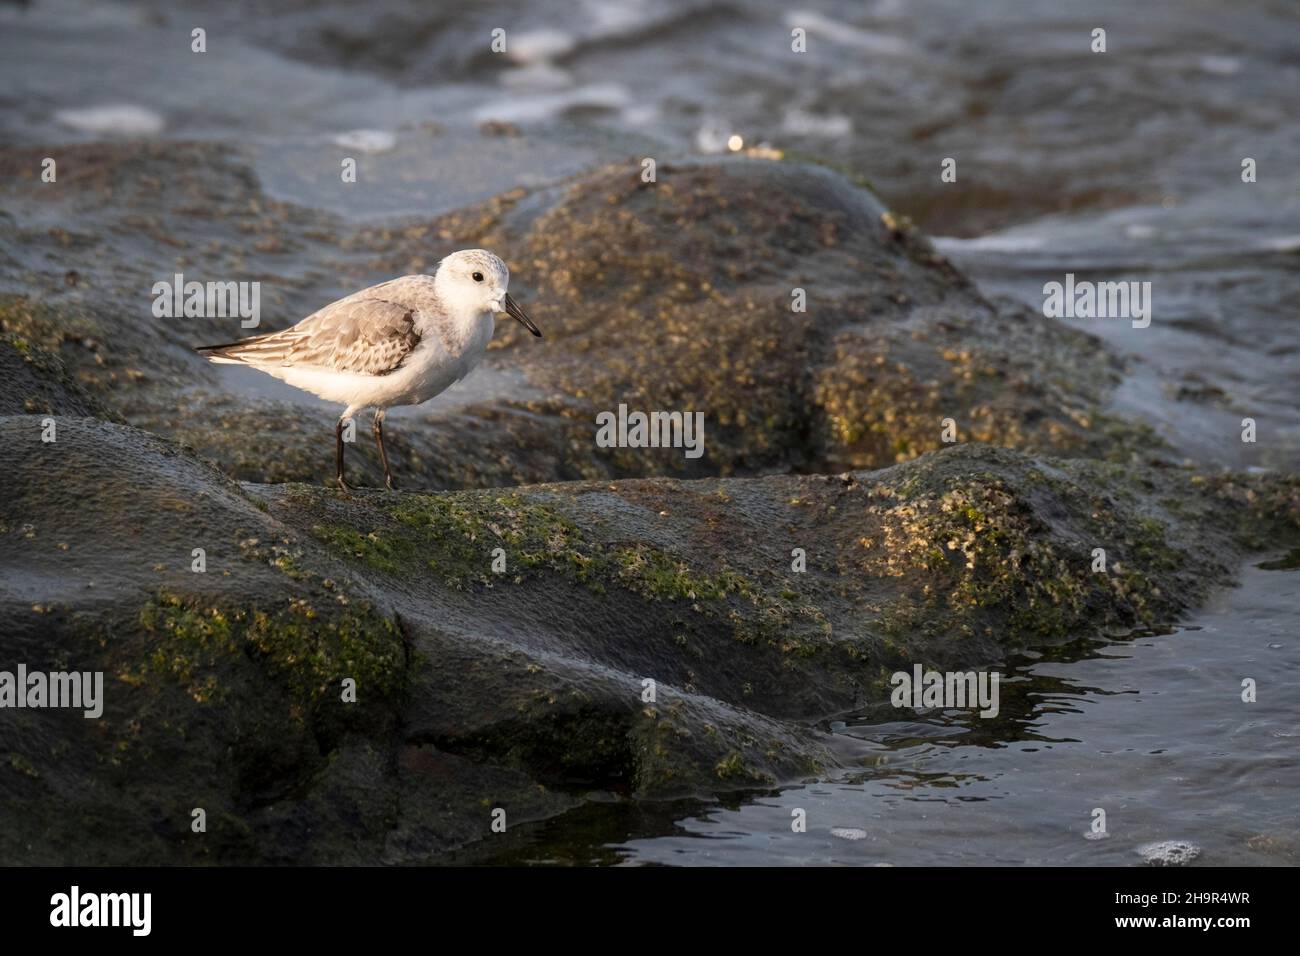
(383, 455)
(338, 454)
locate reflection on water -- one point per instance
(1150, 728)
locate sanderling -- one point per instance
(397, 343)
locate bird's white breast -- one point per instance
(443, 358)
(449, 349)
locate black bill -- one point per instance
(512, 307)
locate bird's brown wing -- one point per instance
(362, 335)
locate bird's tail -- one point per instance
(229, 353)
(216, 353)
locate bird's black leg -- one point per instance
(383, 455)
(338, 455)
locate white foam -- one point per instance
(822, 26)
(642, 114)
(849, 833)
(1280, 244)
(1169, 852)
(537, 46)
(366, 140)
(536, 77)
(522, 109)
(1220, 65)
(803, 123)
(712, 135)
(994, 243)
(123, 119)
(611, 17)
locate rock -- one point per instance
(37, 382)
(523, 690)
(648, 636)
(674, 295)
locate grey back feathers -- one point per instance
(370, 332)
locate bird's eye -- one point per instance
(478, 277)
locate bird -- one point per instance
(400, 342)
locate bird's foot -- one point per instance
(343, 485)
(389, 483)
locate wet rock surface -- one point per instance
(524, 688)
(37, 382)
(673, 295)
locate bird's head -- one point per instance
(475, 281)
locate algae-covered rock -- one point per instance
(815, 330)
(37, 382)
(502, 643)
(374, 676)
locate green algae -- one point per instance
(733, 768)
(1266, 507)
(994, 565)
(463, 531)
(383, 552)
(308, 652)
(991, 564)
(22, 765)
(655, 574)
(456, 535)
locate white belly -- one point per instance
(427, 371)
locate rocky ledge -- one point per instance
(368, 676)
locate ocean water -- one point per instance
(1149, 728)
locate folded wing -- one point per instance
(368, 336)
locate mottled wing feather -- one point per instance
(366, 336)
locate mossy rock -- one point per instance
(527, 685)
(671, 295)
(556, 628)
